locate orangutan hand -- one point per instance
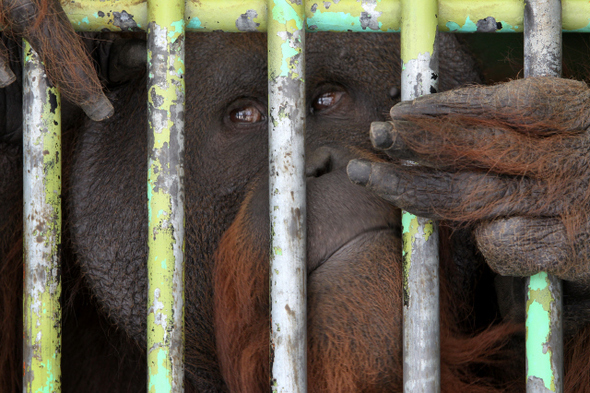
(513, 159)
(44, 24)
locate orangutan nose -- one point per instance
(326, 159)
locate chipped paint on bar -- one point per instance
(287, 206)
(461, 16)
(42, 229)
(343, 16)
(467, 16)
(544, 325)
(166, 95)
(421, 332)
(542, 304)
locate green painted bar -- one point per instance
(42, 229)
(544, 298)
(343, 16)
(544, 341)
(461, 16)
(166, 96)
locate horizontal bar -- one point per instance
(460, 16)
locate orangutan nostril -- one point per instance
(319, 163)
(326, 159)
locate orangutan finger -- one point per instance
(560, 104)
(438, 142)
(6, 74)
(385, 137)
(523, 246)
(445, 143)
(442, 144)
(455, 196)
(48, 30)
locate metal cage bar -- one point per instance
(457, 16)
(421, 332)
(544, 330)
(42, 228)
(286, 24)
(287, 199)
(166, 97)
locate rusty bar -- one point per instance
(166, 96)
(42, 228)
(544, 330)
(288, 271)
(421, 333)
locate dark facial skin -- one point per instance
(226, 155)
(349, 78)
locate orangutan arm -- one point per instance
(44, 24)
(512, 159)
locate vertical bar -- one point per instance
(544, 331)
(42, 228)
(288, 271)
(421, 338)
(166, 96)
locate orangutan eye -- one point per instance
(247, 114)
(327, 100)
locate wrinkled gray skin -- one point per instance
(106, 201)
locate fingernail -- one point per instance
(380, 133)
(98, 109)
(401, 109)
(359, 171)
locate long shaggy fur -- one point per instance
(478, 363)
(61, 49)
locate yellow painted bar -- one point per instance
(166, 96)
(461, 16)
(42, 229)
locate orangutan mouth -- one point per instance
(362, 236)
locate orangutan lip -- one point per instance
(385, 228)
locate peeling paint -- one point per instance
(364, 16)
(125, 21)
(286, 71)
(166, 94)
(421, 330)
(540, 306)
(247, 23)
(464, 16)
(194, 24)
(508, 28)
(467, 27)
(42, 229)
(344, 15)
(544, 326)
